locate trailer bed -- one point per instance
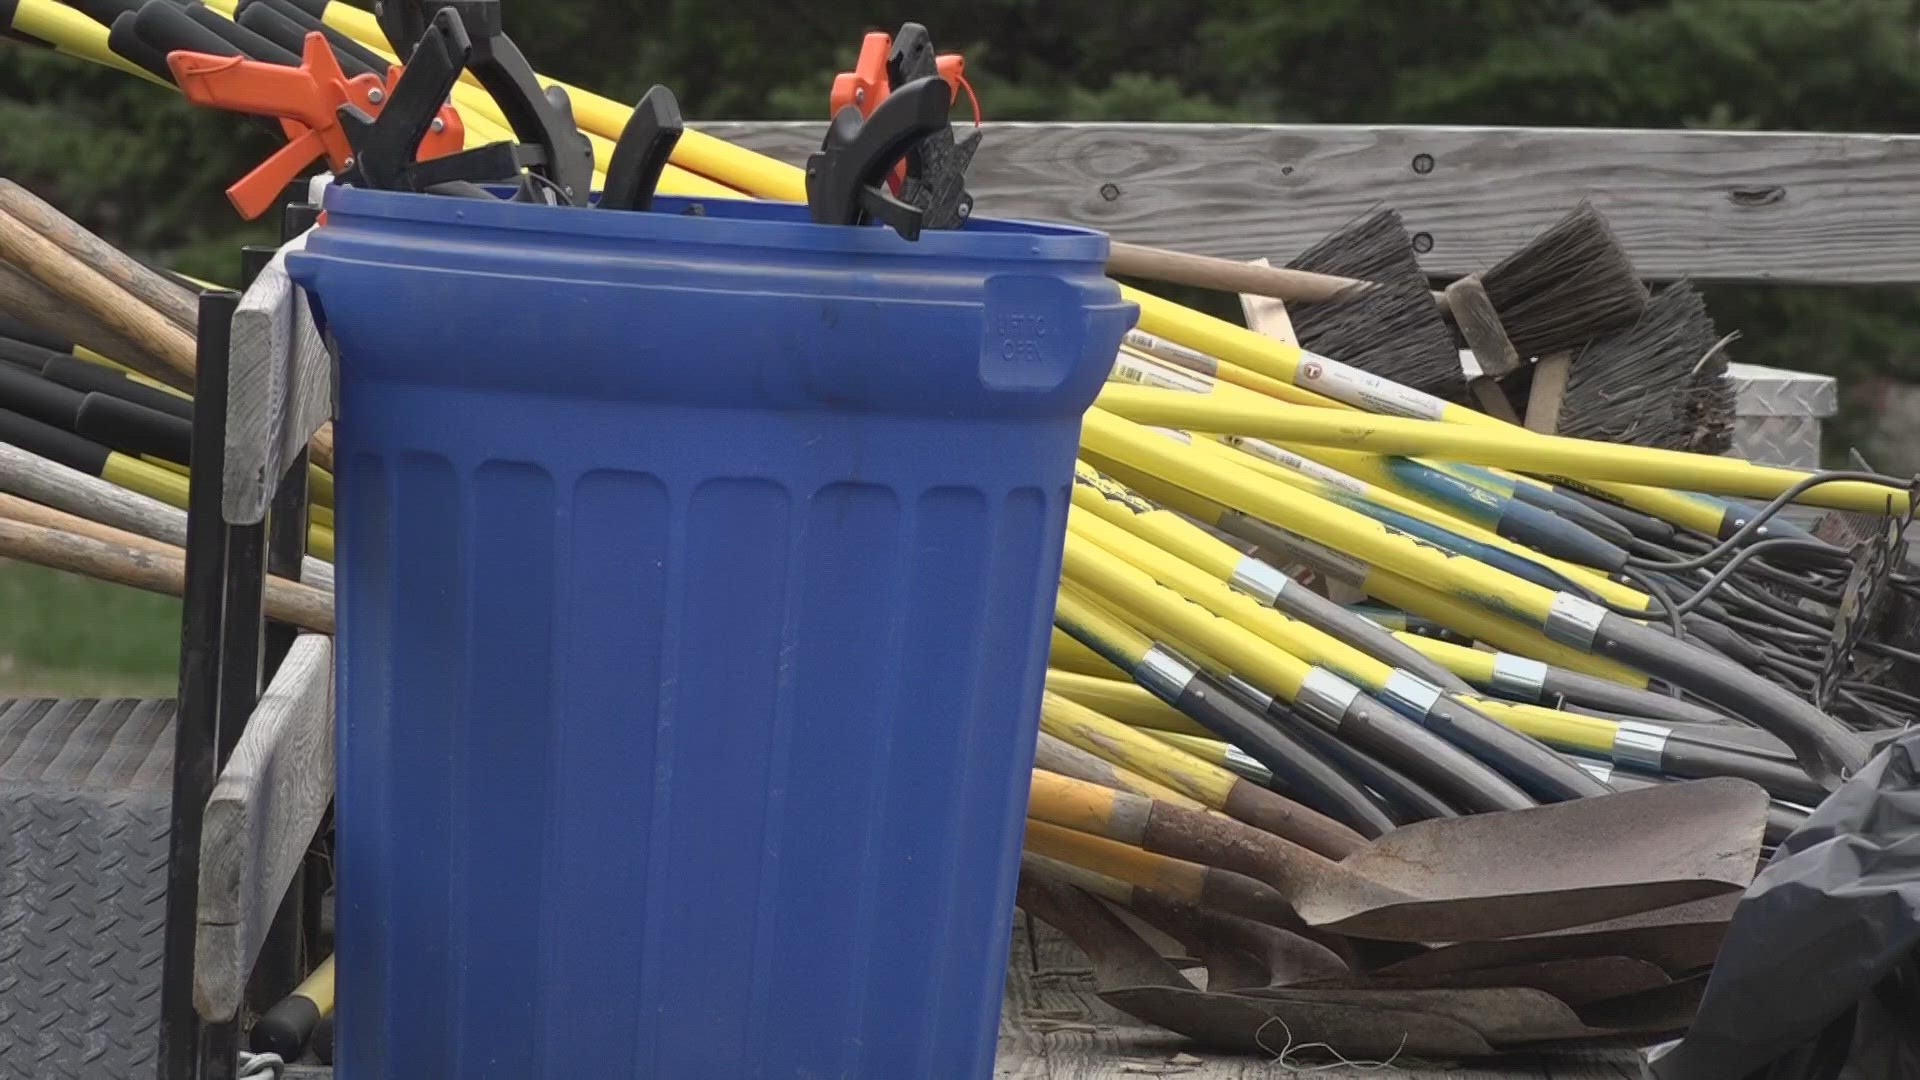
(1053, 1027)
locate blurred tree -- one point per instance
(128, 160)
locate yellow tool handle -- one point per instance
(72, 33)
(1241, 651)
(1136, 751)
(1124, 862)
(1126, 702)
(1485, 446)
(1318, 520)
(602, 119)
(1294, 638)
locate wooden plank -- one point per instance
(260, 818)
(1713, 205)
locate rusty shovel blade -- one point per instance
(1519, 872)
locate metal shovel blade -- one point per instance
(1679, 940)
(1520, 872)
(1132, 977)
(1576, 982)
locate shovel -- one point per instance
(1577, 982)
(1679, 940)
(1487, 876)
(1250, 959)
(1132, 977)
(1119, 871)
(1240, 954)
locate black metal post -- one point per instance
(196, 727)
(286, 547)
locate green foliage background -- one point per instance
(133, 162)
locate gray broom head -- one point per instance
(1392, 329)
(1568, 286)
(1660, 382)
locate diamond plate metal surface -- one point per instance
(1767, 391)
(84, 794)
(1791, 442)
(1778, 414)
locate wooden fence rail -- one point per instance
(1711, 205)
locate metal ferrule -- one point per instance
(1164, 673)
(1326, 697)
(1599, 770)
(1260, 698)
(1409, 694)
(1574, 621)
(1641, 744)
(1238, 760)
(1259, 579)
(1519, 677)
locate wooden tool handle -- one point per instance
(154, 571)
(112, 306)
(1225, 275)
(320, 450)
(31, 302)
(148, 286)
(69, 278)
(15, 508)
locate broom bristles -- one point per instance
(1393, 328)
(1569, 285)
(1660, 382)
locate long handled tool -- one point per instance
(142, 567)
(1135, 979)
(1486, 876)
(1826, 749)
(1205, 784)
(1297, 769)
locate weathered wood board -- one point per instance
(1712, 205)
(260, 819)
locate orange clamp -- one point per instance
(307, 101)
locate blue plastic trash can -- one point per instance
(695, 575)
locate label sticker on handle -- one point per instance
(1343, 382)
(1266, 451)
(1131, 367)
(1161, 349)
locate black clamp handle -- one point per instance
(642, 152)
(384, 148)
(936, 179)
(846, 178)
(554, 152)
(287, 25)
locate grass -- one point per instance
(67, 635)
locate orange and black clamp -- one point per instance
(933, 175)
(387, 148)
(936, 179)
(642, 152)
(558, 157)
(847, 177)
(312, 103)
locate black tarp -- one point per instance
(1819, 978)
